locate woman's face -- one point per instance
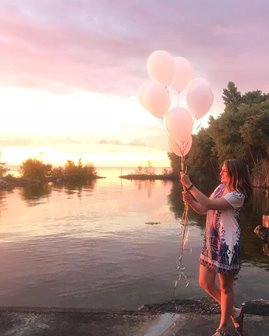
(224, 177)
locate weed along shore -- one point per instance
(170, 177)
(36, 173)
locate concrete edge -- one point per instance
(203, 306)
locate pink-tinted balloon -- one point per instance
(183, 73)
(180, 149)
(141, 93)
(161, 67)
(199, 97)
(179, 124)
(155, 98)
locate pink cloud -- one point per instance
(103, 46)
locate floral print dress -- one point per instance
(221, 248)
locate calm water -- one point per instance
(109, 245)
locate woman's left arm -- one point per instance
(206, 202)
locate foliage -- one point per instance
(241, 131)
(261, 174)
(74, 171)
(231, 97)
(57, 171)
(35, 169)
(175, 163)
(202, 158)
(3, 169)
(149, 170)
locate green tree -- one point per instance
(231, 97)
(225, 134)
(70, 169)
(57, 172)
(90, 170)
(261, 175)
(3, 169)
(241, 131)
(73, 171)
(255, 132)
(36, 169)
(202, 159)
(254, 97)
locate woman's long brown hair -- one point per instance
(239, 177)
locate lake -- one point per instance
(112, 244)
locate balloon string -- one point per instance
(161, 121)
(182, 169)
(184, 218)
(197, 125)
(182, 161)
(185, 223)
(182, 150)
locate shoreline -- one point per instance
(10, 182)
(204, 306)
(171, 177)
(49, 321)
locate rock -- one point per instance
(262, 232)
(256, 307)
(202, 306)
(3, 183)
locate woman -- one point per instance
(221, 250)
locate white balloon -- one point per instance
(179, 124)
(141, 93)
(161, 67)
(199, 97)
(183, 73)
(155, 98)
(180, 149)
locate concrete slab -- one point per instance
(67, 322)
(81, 322)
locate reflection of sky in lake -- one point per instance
(111, 245)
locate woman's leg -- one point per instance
(226, 299)
(207, 279)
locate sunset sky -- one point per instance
(70, 71)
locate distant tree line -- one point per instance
(241, 131)
(37, 169)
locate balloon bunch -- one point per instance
(173, 75)
(170, 76)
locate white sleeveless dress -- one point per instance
(221, 248)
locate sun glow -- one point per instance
(107, 130)
(103, 158)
